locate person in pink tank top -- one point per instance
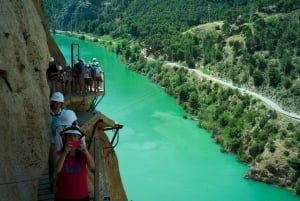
(72, 163)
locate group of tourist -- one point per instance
(82, 78)
(69, 158)
(88, 76)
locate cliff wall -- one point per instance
(26, 46)
(24, 100)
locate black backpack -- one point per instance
(77, 69)
(93, 72)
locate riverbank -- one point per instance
(241, 125)
(270, 103)
(105, 40)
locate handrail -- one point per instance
(67, 84)
(96, 177)
(71, 95)
(96, 100)
(116, 134)
(99, 172)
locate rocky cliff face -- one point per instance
(26, 46)
(24, 92)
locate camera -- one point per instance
(75, 143)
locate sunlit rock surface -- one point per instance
(26, 46)
(24, 99)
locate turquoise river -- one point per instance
(162, 156)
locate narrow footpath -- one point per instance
(267, 101)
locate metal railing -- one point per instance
(99, 174)
(65, 83)
(101, 191)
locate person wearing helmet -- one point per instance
(78, 76)
(98, 76)
(61, 79)
(69, 80)
(56, 108)
(87, 78)
(68, 119)
(94, 67)
(52, 74)
(71, 163)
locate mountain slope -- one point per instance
(252, 44)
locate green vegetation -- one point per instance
(254, 44)
(241, 124)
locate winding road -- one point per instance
(267, 101)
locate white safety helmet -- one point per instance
(94, 59)
(51, 59)
(72, 130)
(68, 117)
(59, 68)
(57, 97)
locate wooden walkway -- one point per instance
(87, 120)
(44, 193)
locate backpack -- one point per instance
(93, 72)
(98, 72)
(77, 69)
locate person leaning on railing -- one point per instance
(52, 74)
(78, 76)
(69, 80)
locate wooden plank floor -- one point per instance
(44, 193)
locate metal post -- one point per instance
(72, 53)
(99, 172)
(97, 165)
(102, 172)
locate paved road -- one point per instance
(264, 99)
(267, 101)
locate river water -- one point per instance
(162, 156)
